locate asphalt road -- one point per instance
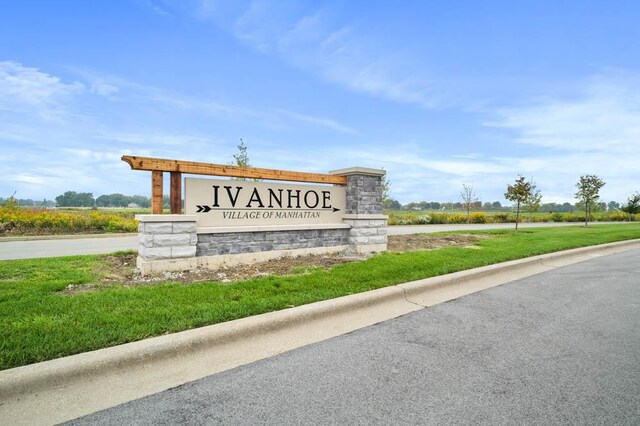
(561, 347)
(107, 244)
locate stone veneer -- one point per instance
(364, 194)
(368, 232)
(251, 242)
(167, 236)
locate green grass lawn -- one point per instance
(39, 322)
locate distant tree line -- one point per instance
(28, 202)
(86, 199)
(497, 206)
(526, 197)
(119, 200)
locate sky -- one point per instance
(438, 93)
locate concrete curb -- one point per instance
(66, 388)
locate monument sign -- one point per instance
(223, 203)
(257, 216)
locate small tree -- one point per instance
(10, 203)
(633, 205)
(242, 157)
(534, 201)
(588, 194)
(386, 191)
(469, 198)
(393, 205)
(520, 193)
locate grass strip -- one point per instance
(38, 322)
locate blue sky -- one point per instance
(439, 93)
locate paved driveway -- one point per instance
(561, 347)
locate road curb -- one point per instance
(66, 388)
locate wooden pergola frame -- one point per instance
(157, 166)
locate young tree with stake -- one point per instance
(520, 193)
(633, 205)
(534, 201)
(588, 193)
(469, 197)
(241, 158)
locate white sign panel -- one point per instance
(241, 203)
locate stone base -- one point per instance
(147, 267)
(368, 233)
(166, 236)
(368, 249)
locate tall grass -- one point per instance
(27, 221)
(423, 218)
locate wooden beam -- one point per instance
(156, 192)
(176, 193)
(192, 167)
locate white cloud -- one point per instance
(20, 85)
(318, 121)
(605, 116)
(595, 131)
(29, 179)
(155, 139)
(157, 8)
(316, 42)
(91, 155)
(268, 117)
(75, 151)
(103, 89)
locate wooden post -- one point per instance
(156, 192)
(176, 193)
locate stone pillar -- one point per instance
(368, 233)
(166, 237)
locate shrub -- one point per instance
(423, 220)
(555, 217)
(457, 218)
(501, 217)
(55, 221)
(393, 219)
(439, 218)
(613, 217)
(572, 218)
(478, 218)
(538, 218)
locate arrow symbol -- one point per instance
(206, 209)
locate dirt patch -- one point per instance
(283, 266)
(120, 268)
(419, 242)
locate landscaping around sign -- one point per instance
(238, 222)
(61, 306)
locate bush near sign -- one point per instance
(225, 203)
